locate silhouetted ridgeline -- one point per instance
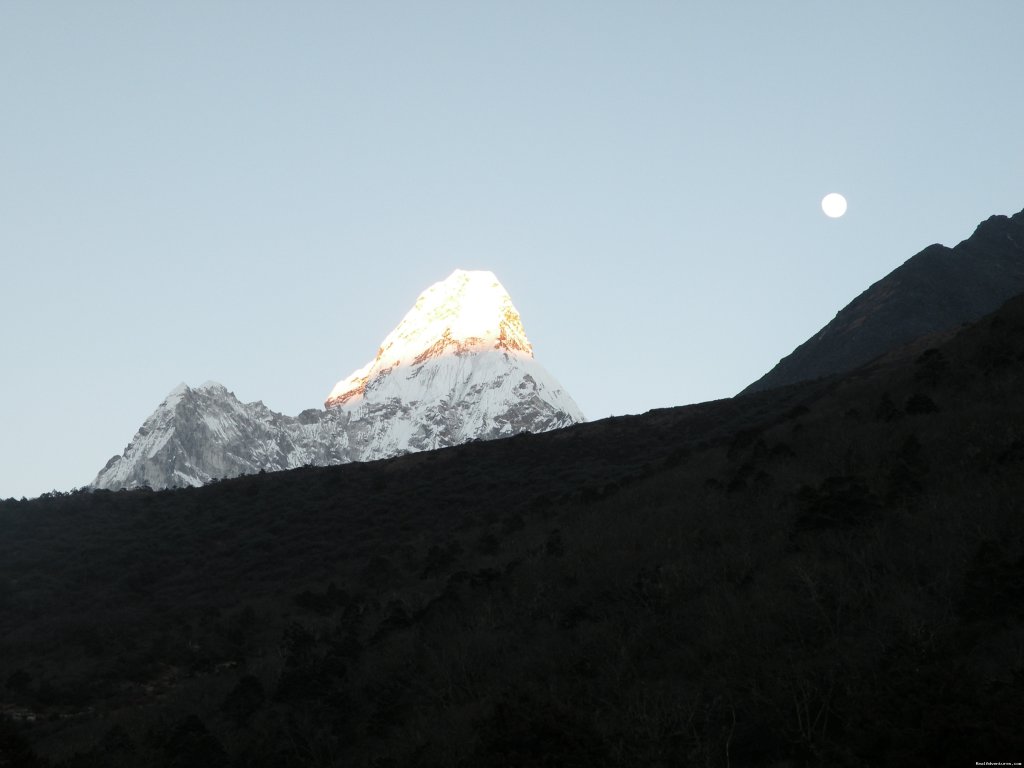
(937, 290)
(824, 574)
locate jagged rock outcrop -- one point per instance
(204, 433)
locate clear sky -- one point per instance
(256, 192)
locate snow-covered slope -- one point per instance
(457, 368)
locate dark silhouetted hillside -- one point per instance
(937, 290)
(830, 573)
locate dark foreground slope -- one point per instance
(826, 574)
(937, 290)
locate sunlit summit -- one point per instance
(458, 367)
(468, 311)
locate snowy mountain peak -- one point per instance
(183, 390)
(458, 367)
(175, 395)
(469, 311)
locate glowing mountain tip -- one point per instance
(470, 311)
(458, 367)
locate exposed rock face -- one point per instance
(200, 434)
(939, 289)
(457, 368)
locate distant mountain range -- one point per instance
(937, 290)
(458, 367)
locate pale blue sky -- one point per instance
(256, 192)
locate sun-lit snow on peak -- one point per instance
(469, 311)
(469, 307)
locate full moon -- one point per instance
(834, 205)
